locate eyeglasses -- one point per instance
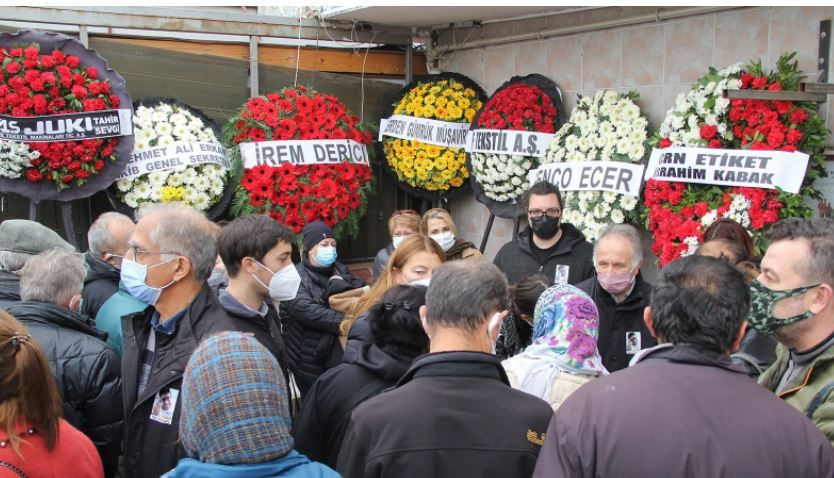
(403, 212)
(135, 251)
(551, 212)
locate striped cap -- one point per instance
(234, 403)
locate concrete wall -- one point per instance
(659, 60)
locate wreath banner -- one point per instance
(301, 152)
(67, 127)
(504, 141)
(429, 131)
(611, 176)
(175, 156)
(730, 167)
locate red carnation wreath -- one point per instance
(677, 213)
(296, 194)
(45, 74)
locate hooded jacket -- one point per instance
(292, 465)
(517, 260)
(452, 414)
(9, 286)
(617, 321)
(310, 326)
(325, 413)
(101, 283)
(684, 412)
(151, 448)
(85, 369)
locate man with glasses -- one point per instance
(793, 299)
(170, 256)
(548, 246)
(107, 239)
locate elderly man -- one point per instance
(87, 372)
(684, 409)
(107, 240)
(453, 413)
(620, 294)
(549, 246)
(19, 240)
(793, 299)
(170, 255)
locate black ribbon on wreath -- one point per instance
(432, 196)
(218, 208)
(46, 190)
(510, 209)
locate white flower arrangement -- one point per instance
(14, 158)
(606, 127)
(703, 105)
(503, 176)
(200, 186)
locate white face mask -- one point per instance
(284, 284)
(423, 282)
(397, 240)
(445, 240)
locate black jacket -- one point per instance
(685, 413)
(310, 326)
(265, 328)
(325, 413)
(617, 321)
(85, 369)
(151, 448)
(517, 260)
(102, 281)
(358, 335)
(452, 414)
(9, 286)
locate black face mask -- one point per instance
(545, 227)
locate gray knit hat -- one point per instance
(29, 237)
(235, 407)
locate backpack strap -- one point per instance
(819, 398)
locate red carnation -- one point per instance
(708, 131)
(13, 68)
(79, 91)
(72, 61)
(759, 83)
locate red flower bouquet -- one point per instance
(519, 107)
(677, 213)
(296, 193)
(33, 83)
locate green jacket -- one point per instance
(810, 392)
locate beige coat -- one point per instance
(562, 387)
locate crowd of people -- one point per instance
(177, 347)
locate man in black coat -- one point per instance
(454, 412)
(397, 338)
(684, 409)
(550, 247)
(310, 326)
(19, 240)
(86, 370)
(107, 241)
(170, 256)
(620, 294)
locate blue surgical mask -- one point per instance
(133, 276)
(326, 256)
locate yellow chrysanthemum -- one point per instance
(440, 101)
(429, 99)
(469, 114)
(171, 193)
(463, 103)
(433, 151)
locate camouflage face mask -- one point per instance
(762, 301)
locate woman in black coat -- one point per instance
(398, 338)
(310, 326)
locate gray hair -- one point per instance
(13, 261)
(54, 276)
(185, 231)
(463, 293)
(626, 231)
(99, 237)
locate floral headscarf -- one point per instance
(565, 330)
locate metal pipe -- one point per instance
(84, 36)
(601, 25)
(253, 66)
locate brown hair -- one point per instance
(410, 246)
(437, 213)
(409, 219)
(725, 228)
(27, 389)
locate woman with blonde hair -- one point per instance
(411, 263)
(402, 224)
(34, 440)
(438, 224)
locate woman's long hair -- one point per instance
(28, 392)
(406, 250)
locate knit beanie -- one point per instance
(314, 233)
(234, 403)
(30, 237)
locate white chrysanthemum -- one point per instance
(156, 193)
(709, 218)
(175, 179)
(636, 152)
(628, 202)
(165, 140)
(178, 119)
(163, 128)
(571, 143)
(181, 131)
(142, 190)
(145, 135)
(201, 183)
(609, 197)
(124, 185)
(200, 201)
(584, 144)
(130, 199)
(617, 216)
(159, 116)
